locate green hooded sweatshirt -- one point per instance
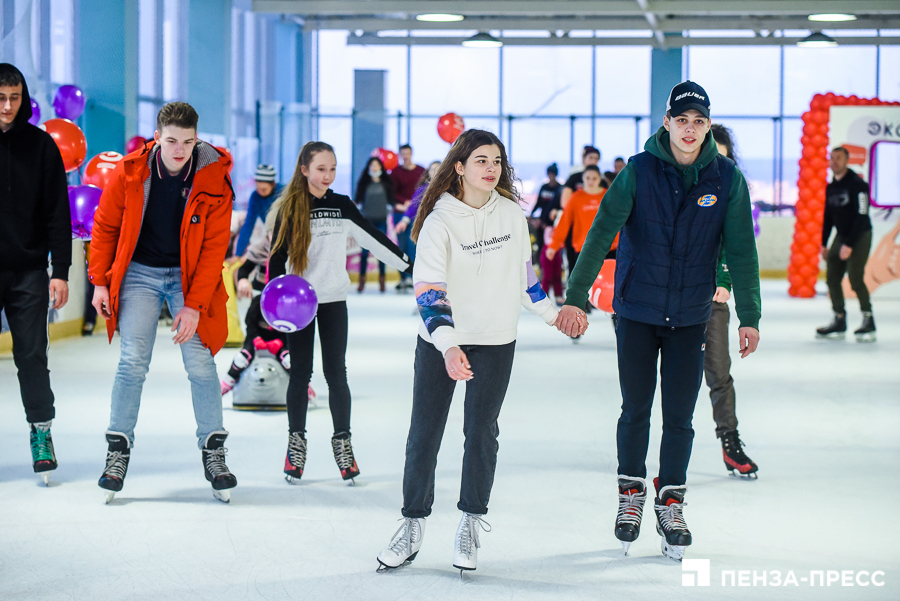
(738, 241)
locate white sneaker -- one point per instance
(465, 551)
(404, 545)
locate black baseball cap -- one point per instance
(685, 96)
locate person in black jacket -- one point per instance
(847, 211)
(34, 222)
(374, 193)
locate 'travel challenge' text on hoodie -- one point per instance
(473, 274)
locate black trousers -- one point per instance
(332, 321)
(640, 345)
(25, 297)
(432, 394)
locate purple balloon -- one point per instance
(69, 102)
(755, 213)
(756, 229)
(35, 112)
(83, 201)
(289, 303)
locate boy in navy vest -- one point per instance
(676, 204)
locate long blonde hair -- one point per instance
(294, 210)
(447, 180)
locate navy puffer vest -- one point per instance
(669, 248)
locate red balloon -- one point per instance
(807, 291)
(807, 117)
(604, 287)
(830, 97)
(99, 169)
(387, 157)
(69, 139)
(134, 143)
(450, 126)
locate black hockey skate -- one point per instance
(836, 329)
(632, 494)
(295, 460)
(118, 454)
(670, 525)
(866, 331)
(343, 456)
(43, 457)
(733, 454)
(214, 468)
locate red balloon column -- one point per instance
(803, 270)
(450, 126)
(99, 169)
(70, 140)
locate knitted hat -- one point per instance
(265, 173)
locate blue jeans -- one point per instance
(406, 244)
(140, 301)
(432, 393)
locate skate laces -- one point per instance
(409, 532)
(671, 516)
(115, 465)
(296, 450)
(467, 535)
(215, 462)
(631, 506)
(343, 452)
(40, 445)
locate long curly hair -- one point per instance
(447, 180)
(294, 210)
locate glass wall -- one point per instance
(547, 102)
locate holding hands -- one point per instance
(571, 321)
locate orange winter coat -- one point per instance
(578, 216)
(205, 232)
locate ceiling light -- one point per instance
(817, 40)
(832, 17)
(482, 40)
(439, 18)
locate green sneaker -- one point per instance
(42, 451)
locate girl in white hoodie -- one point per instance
(472, 275)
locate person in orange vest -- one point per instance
(161, 234)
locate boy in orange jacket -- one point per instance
(161, 233)
(579, 213)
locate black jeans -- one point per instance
(854, 267)
(432, 393)
(26, 298)
(639, 347)
(332, 321)
(717, 368)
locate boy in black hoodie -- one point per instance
(34, 222)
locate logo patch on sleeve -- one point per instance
(707, 201)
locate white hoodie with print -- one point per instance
(473, 274)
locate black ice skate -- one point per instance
(733, 454)
(295, 460)
(217, 473)
(118, 454)
(343, 456)
(836, 330)
(866, 331)
(43, 457)
(671, 526)
(632, 494)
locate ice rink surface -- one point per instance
(821, 418)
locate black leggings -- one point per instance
(332, 320)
